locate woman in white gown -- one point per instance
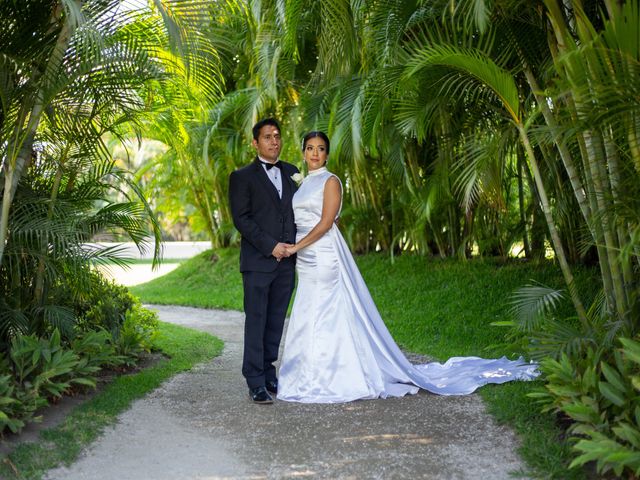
(337, 348)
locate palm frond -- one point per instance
(12, 322)
(473, 64)
(560, 337)
(58, 316)
(530, 303)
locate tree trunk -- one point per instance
(594, 170)
(19, 151)
(634, 142)
(565, 155)
(555, 238)
(537, 230)
(602, 191)
(623, 239)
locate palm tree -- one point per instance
(209, 136)
(47, 257)
(87, 54)
(589, 125)
(75, 73)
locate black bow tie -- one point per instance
(271, 165)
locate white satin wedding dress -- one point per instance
(338, 349)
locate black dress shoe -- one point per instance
(272, 387)
(260, 395)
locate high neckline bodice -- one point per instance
(317, 171)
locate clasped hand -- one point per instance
(282, 250)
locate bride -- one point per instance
(337, 348)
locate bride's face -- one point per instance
(315, 153)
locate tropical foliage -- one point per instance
(600, 396)
(75, 77)
(39, 369)
(459, 128)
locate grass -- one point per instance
(62, 444)
(440, 308)
(542, 445)
(149, 261)
(203, 281)
(444, 308)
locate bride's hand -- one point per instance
(291, 249)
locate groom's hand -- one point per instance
(280, 251)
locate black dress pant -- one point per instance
(266, 299)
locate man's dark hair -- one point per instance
(311, 135)
(258, 126)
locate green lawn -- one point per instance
(206, 280)
(440, 308)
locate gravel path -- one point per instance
(201, 425)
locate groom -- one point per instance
(260, 196)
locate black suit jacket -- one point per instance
(261, 217)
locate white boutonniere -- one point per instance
(297, 177)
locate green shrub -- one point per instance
(105, 306)
(602, 398)
(19, 402)
(98, 348)
(10, 406)
(46, 366)
(146, 324)
(101, 325)
(138, 334)
(36, 370)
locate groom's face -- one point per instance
(269, 143)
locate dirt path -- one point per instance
(201, 425)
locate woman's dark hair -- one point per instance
(311, 135)
(267, 121)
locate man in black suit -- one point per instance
(260, 196)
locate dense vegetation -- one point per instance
(62, 444)
(73, 76)
(459, 128)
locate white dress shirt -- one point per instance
(274, 174)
